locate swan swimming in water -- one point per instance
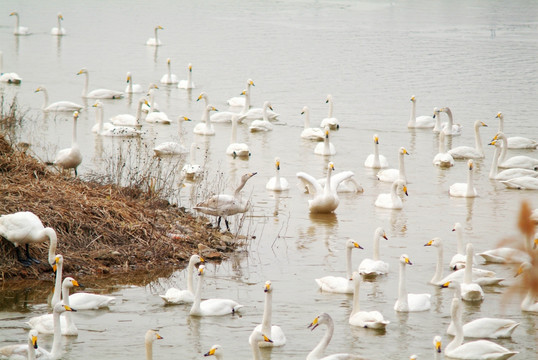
(443, 159)
(506, 174)
(58, 105)
(516, 142)
(172, 147)
(256, 113)
(19, 30)
(109, 129)
(255, 340)
(520, 161)
(192, 170)
(205, 127)
(310, 133)
(155, 40)
(149, 339)
(221, 116)
(464, 189)
(59, 30)
(326, 147)
(339, 284)
(236, 149)
(186, 296)
(97, 93)
(390, 175)
(262, 125)
(187, 84)
(11, 77)
(240, 100)
(374, 266)
(70, 158)
(277, 183)
(375, 160)
(132, 88)
(451, 129)
(521, 183)
(409, 302)
(273, 331)
(419, 122)
(467, 152)
(330, 121)
(22, 351)
(169, 78)
(128, 119)
(392, 200)
(365, 319)
(469, 290)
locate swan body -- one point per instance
(109, 129)
(506, 174)
(349, 185)
(505, 255)
(211, 307)
(277, 183)
(155, 40)
(21, 351)
(19, 30)
(464, 189)
(529, 302)
(374, 266)
(239, 101)
(128, 119)
(256, 113)
(132, 88)
(97, 93)
(186, 296)
(391, 175)
(467, 152)
(317, 352)
(11, 77)
(309, 133)
(522, 183)
(172, 147)
(520, 161)
(58, 105)
(70, 158)
(338, 284)
(89, 301)
(330, 121)
(490, 328)
(325, 198)
(326, 147)
(220, 116)
(376, 160)
(157, 117)
(224, 205)
(459, 260)
(152, 106)
(409, 302)
(169, 78)
(149, 339)
(191, 169)
(480, 349)
(451, 129)
(274, 332)
(392, 200)
(187, 84)
(236, 149)
(365, 319)
(443, 159)
(25, 228)
(262, 125)
(205, 127)
(419, 122)
(516, 142)
(470, 290)
(59, 30)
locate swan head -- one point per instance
(159, 27)
(128, 77)
(413, 357)
(201, 270)
(152, 335)
(470, 163)
(436, 112)
(190, 67)
(305, 110)
(329, 98)
(203, 95)
(267, 104)
(168, 61)
(267, 287)
(326, 131)
(82, 71)
(445, 109)
(404, 151)
(196, 259)
(379, 232)
(436, 241)
(499, 115)
(257, 336)
(437, 343)
(61, 308)
(244, 92)
(39, 89)
(319, 320)
(60, 16)
(32, 336)
(247, 176)
(277, 163)
(330, 166)
(211, 108)
(58, 260)
(14, 13)
(250, 82)
(413, 98)
(376, 139)
(353, 244)
(215, 350)
(404, 259)
(481, 123)
(153, 86)
(70, 282)
(525, 266)
(457, 227)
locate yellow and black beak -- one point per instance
(445, 285)
(429, 243)
(407, 261)
(405, 191)
(438, 346)
(34, 341)
(314, 324)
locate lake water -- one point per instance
(477, 57)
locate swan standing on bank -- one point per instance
(419, 122)
(21, 351)
(58, 105)
(330, 121)
(464, 189)
(25, 228)
(409, 302)
(128, 119)
(520, 161)
(155, 40)
(149, 339)
(443, 159)
(255, 339)
(506, 174)
(172, 147)
(224, 205)
(239, 101)
(187, 84)
(205, 127)
(169, 78)
(325, 148)
(516, 142)
(467, 152)
(277, 183)
(262, 125)
(97, 93)
(132, 88)
(365, 319)
(186, 296)
(391, 175)
(108, 129)
(392, 200)
(19, 30)
(374, 266)
(375, 160)
(274, 332)
(310, 133)
(339, 284)
(211, 307)
(11, 77)
(451, 129)
(59, 30)
(70, 158)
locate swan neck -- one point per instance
(439, 266)
(74, 135)
(401, 173)
(240, 187)
(189, 79)
(459, 234)
(330, 115)
(450, 120)
(413, 117)
(169, 68)
(139, 111)
(57, 286)
(190, 275)
(264, 112)
(255, 348)
(16, 21)
(99, 114)
(394, 192)
(326, 145)
(193, 154)
(495, 165)
(458, 327)
(86, 83)
(306, 119)
(324, 342)
(53, 242)
(149, 344)
(45, 97)
(470, 187)
(59, 24)
(356, 289)
(156, 36)
(376, 153)
(57, 341)
(375, 255)
(195, 309)
(31, 350)
(442, 142)
(477, 138)
(501, 124)
(504, 147)
(349, 266)
(468, 274)
(402, 291)
(206, 116)
(267, 313)
(247, 100)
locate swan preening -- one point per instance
(70, 158)
(338, 284)
(277, 183)
(274, 332)
(169, 78)
(374, 266)
(419, 122)
(186, 296)
(467, 152)
(520, 161)
(109, 129)
(149, 339)
(19, 30)
(464, 189)
(58, 30)
(375, 160)
(392, 200)
(187, 84)
(240, 100)
(8, 77)
(310, 133)
(255, 339)
(366, 319)
(326, 147)
(516, 142)
(58, 105)
(330, 121)
(391, 175)
(443, 159)
(409, 302)
(155, 40)
(172, 147)
(21, 351)
(224, 205)
(97, 93)
(25, 228)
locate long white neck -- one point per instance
(437, 127)
(130, 85)
(376, 154)
(375, 255)
(326, 145)
(458, 327)
(247, 98)
(151, 99)
(86, 83)
(265, 117)
(57, 285)
(57, 341)
(206, 116)
(317, 352)
(356, 289)
(327, 188)
(45, 97)
(233, 139)
(149, 343)
(442, 142)
(267, 313)
(169, 70)
(190, 275)
(195, 309)
(16, 21)
(53, 241)
(330, 115)
(477, 138)
(99, 118)
(459, 235)
(470, 187)
(306, 118)
(495, 165)
(394, 192)
(277, 177)
(468, 274)
(349, 266)
(402, 291)
(413, 116)
(189, 79)
(31, 350)
(439, 266)
(156, 36)
(59, 24)
(504, 147)
(65, 299)
(255, 347)
(501, 123)
(74, 135)
(193, 153)
(450, 120)
(139, 112)
(401, 174)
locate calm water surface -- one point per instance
(477, 57)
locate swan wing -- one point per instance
(335, 284)
(491, 328)
(369, 319)
(105, 94)
(419, 302)
(336, 179)
(219, 307)
(373, 267)
(480, 349)
(89, 301)
(309, 183)
(177, 296)
(522, 183)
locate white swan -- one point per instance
(339, 284)
(205, 127)
(326, 147)
(480, 349)
(506, 255)
(506, 174)
(152, 106)
(186, 296)
(240, 100)
(89, 301)
(58, 30)
(489, 328)
(172, 147)
(132, 88)
(409, 302)
(451, 129)
(330, 121)
(325, 198)
(437, 345)
(191, 170)
(469, 290)
(169, 78)
(255, 339)
(11, 77)
(21, 351)
(264, 124)
(443, 159)
(19, 30)
(256, 113)
(516, 142)
(274, 332)
(317, 352)
(392, 200)
(224, 205)
(520, 161)
(348, 185)
(521, 183)
(529, 302)
(375, 160)
(390, 175)
(310, 133)
(70, 158)
(419, 122)
(459, 260)
(277, 183)
(187, 84)
(155, 40)
(25, 228)
(467, 152)
(365, 319)
(58, 105)
(438, 125)
(220, 116)
(464, 189)
(211, 307)
(157, 117)
(108, 129)
(128, 119)
(97, 93)
(149, 339)
(374, 266)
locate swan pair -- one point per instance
(516, 142)
(255, 339)
(109, 129)
(520, 161)
(186, 296)
(277, 183)
(172, 147)
(506, 174)
(97, 93)
(391, 175)
(409, 302)
(70, 158)
(419, 122)
(392, 200)
(448, 128)
(338, 284)
(256, 113)
(310, 133)
(376, 160)
(330, 121)
(58, 105)
(467, 189)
